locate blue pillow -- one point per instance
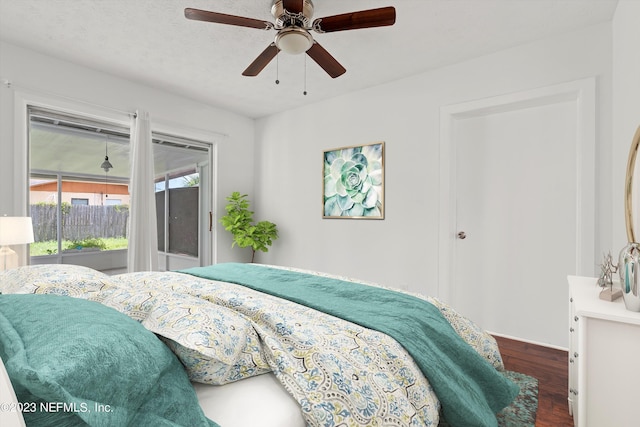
(73, 361)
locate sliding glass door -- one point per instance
(79, 196)
(182, 202)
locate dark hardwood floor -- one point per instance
(549, 366)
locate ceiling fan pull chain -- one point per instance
(305, 76)
(277, 68)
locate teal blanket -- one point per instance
(470, 389)
(75, 362)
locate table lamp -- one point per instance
(14, 230)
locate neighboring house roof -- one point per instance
(82, 187)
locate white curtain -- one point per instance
(143, 233)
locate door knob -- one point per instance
(462, 235)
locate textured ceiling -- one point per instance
(150, 41)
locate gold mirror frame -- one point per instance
(628, 187)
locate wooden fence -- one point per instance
(79, 221)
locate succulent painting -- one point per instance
(353, 181)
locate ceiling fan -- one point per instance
(293, 21)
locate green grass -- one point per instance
(51, 247)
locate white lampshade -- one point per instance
(294, 40)
(15, 230)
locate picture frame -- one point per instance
(353, 182)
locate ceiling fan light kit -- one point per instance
(293, 21)
(293, 40)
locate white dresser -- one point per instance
(604, 358)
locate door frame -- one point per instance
(582, 93)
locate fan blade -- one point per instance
(355, 20)
(261, 61)
(222, 18)
(293, 6)
(325, 60)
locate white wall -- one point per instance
(626, 104)
(402, 249)
(42, 76)
(285, 179)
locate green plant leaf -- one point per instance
(239, 221)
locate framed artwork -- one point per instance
(353, 182)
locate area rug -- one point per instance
(522, 411)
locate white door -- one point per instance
(516, 205)
(516, 181)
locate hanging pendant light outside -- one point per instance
(106, 165)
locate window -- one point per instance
(78, 208)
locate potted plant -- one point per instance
(239, 221)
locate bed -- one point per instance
(235, 345)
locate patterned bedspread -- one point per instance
(340, 373)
